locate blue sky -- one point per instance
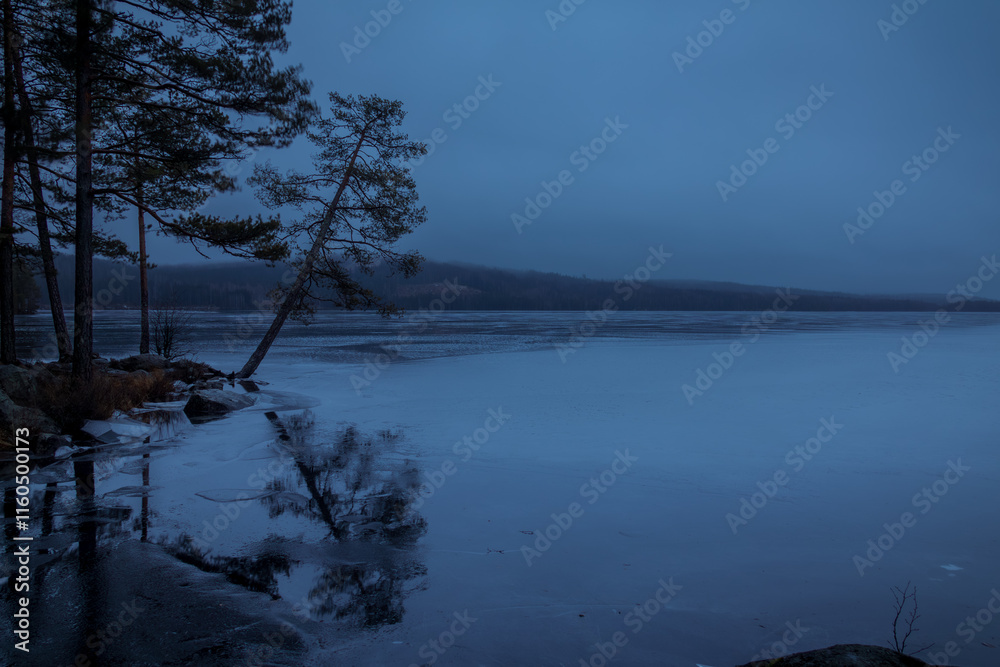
(889, 92)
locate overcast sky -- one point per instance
(681, 117)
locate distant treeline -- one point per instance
(243, 286)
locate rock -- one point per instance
(215, 403)
(140, 362)
(844, 655)
(7, 408)
(19, 384)
(49, 444)
(59, 368)
(208, 384)
(249, 386)
(14, 416)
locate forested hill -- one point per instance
(239, 285)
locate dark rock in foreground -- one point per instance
(19, 397)
(843, 655)
(207, 403)
(20, 384)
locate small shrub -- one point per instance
(903, 598)
(172, 330)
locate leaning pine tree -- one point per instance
(357, 204)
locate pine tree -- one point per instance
(8, 350)
(211, 63)
(359, 201)
(38, 203)
(171, 169)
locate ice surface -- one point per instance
(120, 430)
(663, 519)
(233, 495)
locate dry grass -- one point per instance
(70, 403)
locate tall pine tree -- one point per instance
(211, 63)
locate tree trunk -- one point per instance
(41, 216)
(143, 276)
(83, 306)
(295, 293)
(8, 349)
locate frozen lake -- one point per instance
(506, 488)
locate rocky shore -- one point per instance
(843, 655)
(43, 397)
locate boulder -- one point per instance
(59, 368)
(140, 362)
(844, 655)
(14, 416)
(191, 371)
(208, 384)
(49, 443)
(7, 408)
(36, 420)
(215, 403)
(19, 384)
